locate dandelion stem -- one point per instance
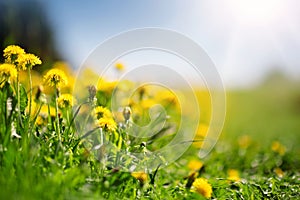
(57, 119)
(101, 137)
(19, 105)
(30, 92)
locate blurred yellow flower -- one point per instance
(278, 148)
(55, 78)
(244, 141)
(36, 78)
(45, 110)
(141, 176)
(41, 120)
(119, 66)
(106, 86)
(27, 60)
(65, 101)
(107, 124)
(147, 103)
(11, 53)
(137, 110)
(102, 112)
(204, 101)
(167, 98)
(8, 73)
(200, 135)
(195, 165)
(233, 175)
(201, 186)
(279, 172)
(118, 116)
(64, 66)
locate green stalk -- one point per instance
(30, 92)
(68, 116)
(57, 120)
(68, 122)
(18, 104)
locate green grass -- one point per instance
(263, 114)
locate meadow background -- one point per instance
(256, 157)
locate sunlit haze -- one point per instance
(245, 39)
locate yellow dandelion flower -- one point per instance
(107, 124)
(65, 101)
(279, 172)
(119, 66)
(244, 141)
(278, 148)
(195, 165)
(64, 66)
(200, 135)
(8, 73)
(55, 78)
(41, 120)
(147, 103)
(106, 86)
(27, 60)
(233, 175)
(137, 110)
(167, 97)
(201, 186)
(141, 176)
(102, 112)
(45, 110)
(12, 52)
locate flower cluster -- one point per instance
(16, 59)
(14, 54)
(28, 60)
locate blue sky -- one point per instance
(245, 39)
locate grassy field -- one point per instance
(44, 154)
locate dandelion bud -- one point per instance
(92, 92)
(141, 92)
(39, 92)
(140, 176)
(127, 113)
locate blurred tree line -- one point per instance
(24, 22)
